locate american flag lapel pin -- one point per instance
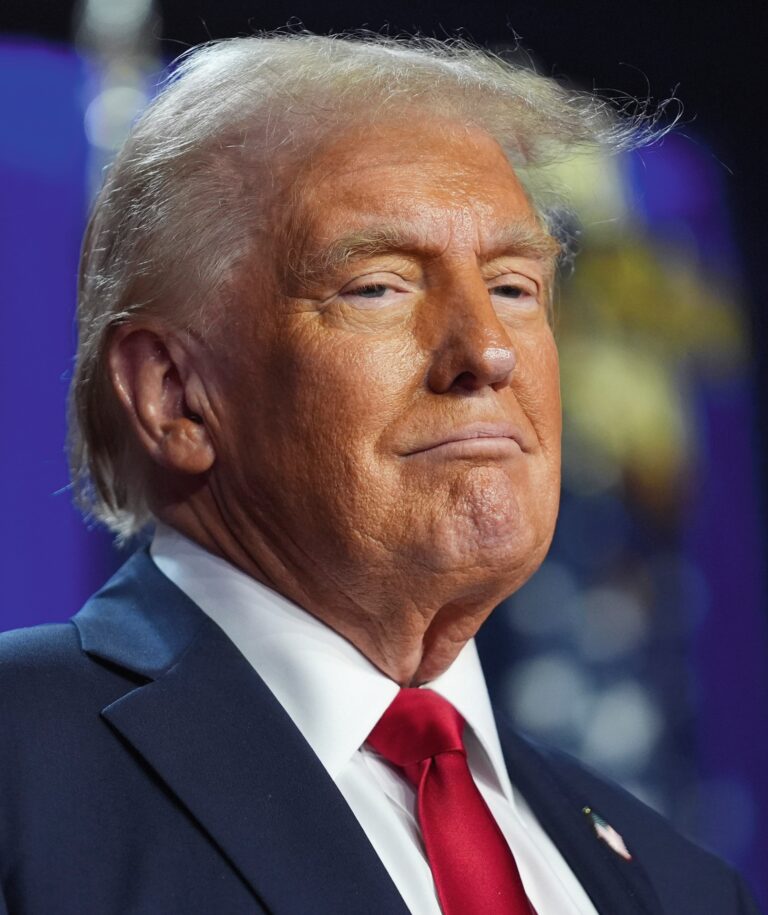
(607, 833)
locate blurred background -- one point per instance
(641, 644)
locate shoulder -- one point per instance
(679, 869)
(30, 658)
(614, 803)
(47, 682)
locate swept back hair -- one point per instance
(186, 196)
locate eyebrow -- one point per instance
(518, 239)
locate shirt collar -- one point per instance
(463, 685)
(333, 693)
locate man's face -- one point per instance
(389, 395)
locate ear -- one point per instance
(156, 381)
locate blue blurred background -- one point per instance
(641, 644)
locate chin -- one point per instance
(493, 533)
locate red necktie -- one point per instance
(473, 868)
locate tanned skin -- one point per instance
(374, 428)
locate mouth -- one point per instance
(473, 440)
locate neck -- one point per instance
(409, 639)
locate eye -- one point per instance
(369, 291)
(508, 291)
(515, 292)
(379, 291)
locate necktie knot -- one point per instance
(473, 867)
(418, 725)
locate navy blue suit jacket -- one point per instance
(145, 769)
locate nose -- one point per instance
(471, 347)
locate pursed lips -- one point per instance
(473, 440)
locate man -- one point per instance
(316, 354)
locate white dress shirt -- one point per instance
(335, 696)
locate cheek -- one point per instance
(550, 375)
(537, 387)
(341, 390)
(338, 394)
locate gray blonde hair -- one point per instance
(180, 206)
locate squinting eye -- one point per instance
(509, 292)
(371, 291)
(519, 296)
(375, 291)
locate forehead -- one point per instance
(447, 181)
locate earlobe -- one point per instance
(152, 376)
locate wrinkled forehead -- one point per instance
(436, 182)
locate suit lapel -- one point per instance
(220, 741)
(612, 883)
